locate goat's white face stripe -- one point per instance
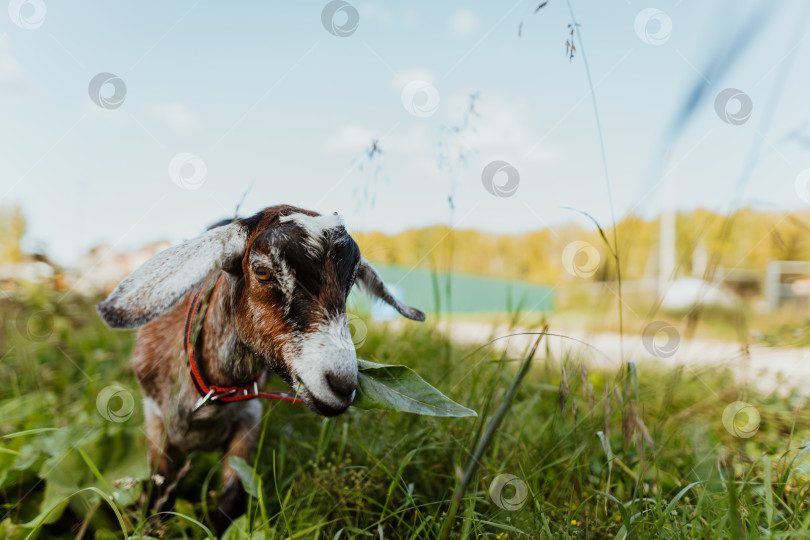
(328, 349)
(285, 276)
(314, 227)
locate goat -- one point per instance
(281, 280)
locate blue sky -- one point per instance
(266, 97)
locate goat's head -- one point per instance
(290, 273)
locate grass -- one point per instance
(636, 454)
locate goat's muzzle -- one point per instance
(324, 373)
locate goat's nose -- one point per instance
(342, 385)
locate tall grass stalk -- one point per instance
(475, 460)
(607, 176)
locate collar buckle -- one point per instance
(202, 400)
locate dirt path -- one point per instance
(767, 368)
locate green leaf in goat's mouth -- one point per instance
(399, 388)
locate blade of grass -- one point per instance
(733, 501)
(104, 496)
(192, 520)
(475, 460)
(766, 474)
(278, 496)
(27, 432)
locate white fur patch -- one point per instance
(151, 409)
(286, 275)
(314, 227)
(329, 349)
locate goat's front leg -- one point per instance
(233, 500)
(161, 459)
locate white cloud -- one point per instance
(463, 23)
(11, 77)
(351, 137)
(178, 117)
(502, 130)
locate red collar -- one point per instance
(210, 392)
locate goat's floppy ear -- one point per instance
(375, 286)
(168, 276)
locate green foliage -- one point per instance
(755, 239)
(398, 388)
(640, 451)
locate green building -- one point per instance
(455, 293)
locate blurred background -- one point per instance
(476, 153)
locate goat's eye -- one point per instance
(262, 274)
